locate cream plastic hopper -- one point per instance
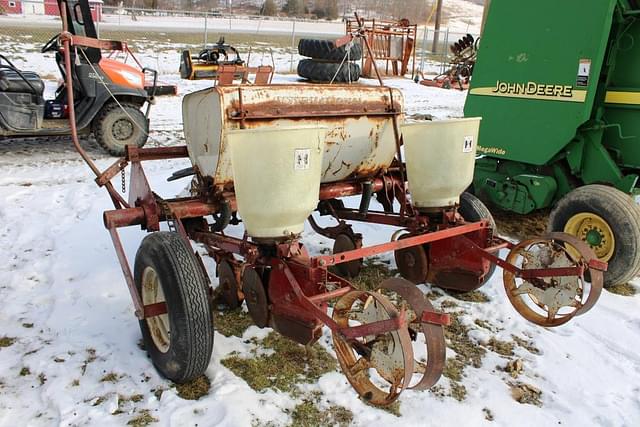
(440, 158)
(277, 178)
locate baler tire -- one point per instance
(103, 127)
(622, 216)
(324, 72)
(472, 209)
(184, 286)
(327, 50)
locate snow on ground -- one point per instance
(75, 358)
(463, 16)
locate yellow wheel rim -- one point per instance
(593, 230)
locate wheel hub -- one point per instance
(122, 129)
(159, 326)
(593, 230)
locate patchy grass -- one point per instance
(232, 323)
(99, 401)
(514, 368)
(194, 390)
(458, 339)
(503, 348)
(454, 369)
(473, 296)
(393, 409)
(168, 40)
(521, 226)
(527, 345)
(448, 304)
(526, 394)
(438, 391)
(91, 357)
(488, 415)
(6, 341)
(308, 413)
(25, 371)
(484, 324)
(111, 377)
(75, 383)
(157, 392)
(27, 325)
(142, 420)
(372, 274)
(467, 354)
(283, 368)
(458, 391)
(625, 289)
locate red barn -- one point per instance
(51, 8)
(11, 6)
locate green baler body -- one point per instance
(558, 86)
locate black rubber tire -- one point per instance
(327, 50)
(472, 209)
(111, 114)
(623, 217)
(185, 289)
(324, 72)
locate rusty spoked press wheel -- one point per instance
(255, 296)
(406, 296)
(345, 243)
(412, 262)
(230, 291)
(379, 367)
(552, 301)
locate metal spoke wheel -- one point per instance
(406, 296)
(552, 301)
(379, 367)
(345, 243)
(229, 288)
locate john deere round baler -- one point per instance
(558, 87)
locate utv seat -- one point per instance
(11, 81)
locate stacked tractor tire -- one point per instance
(328, 63)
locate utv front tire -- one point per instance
(179, 342)
(609, 221)
(115, 127)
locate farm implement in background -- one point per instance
(223, 64)
(461, 66)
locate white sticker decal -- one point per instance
(302, 160)
(468, 144)
(584, 71)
